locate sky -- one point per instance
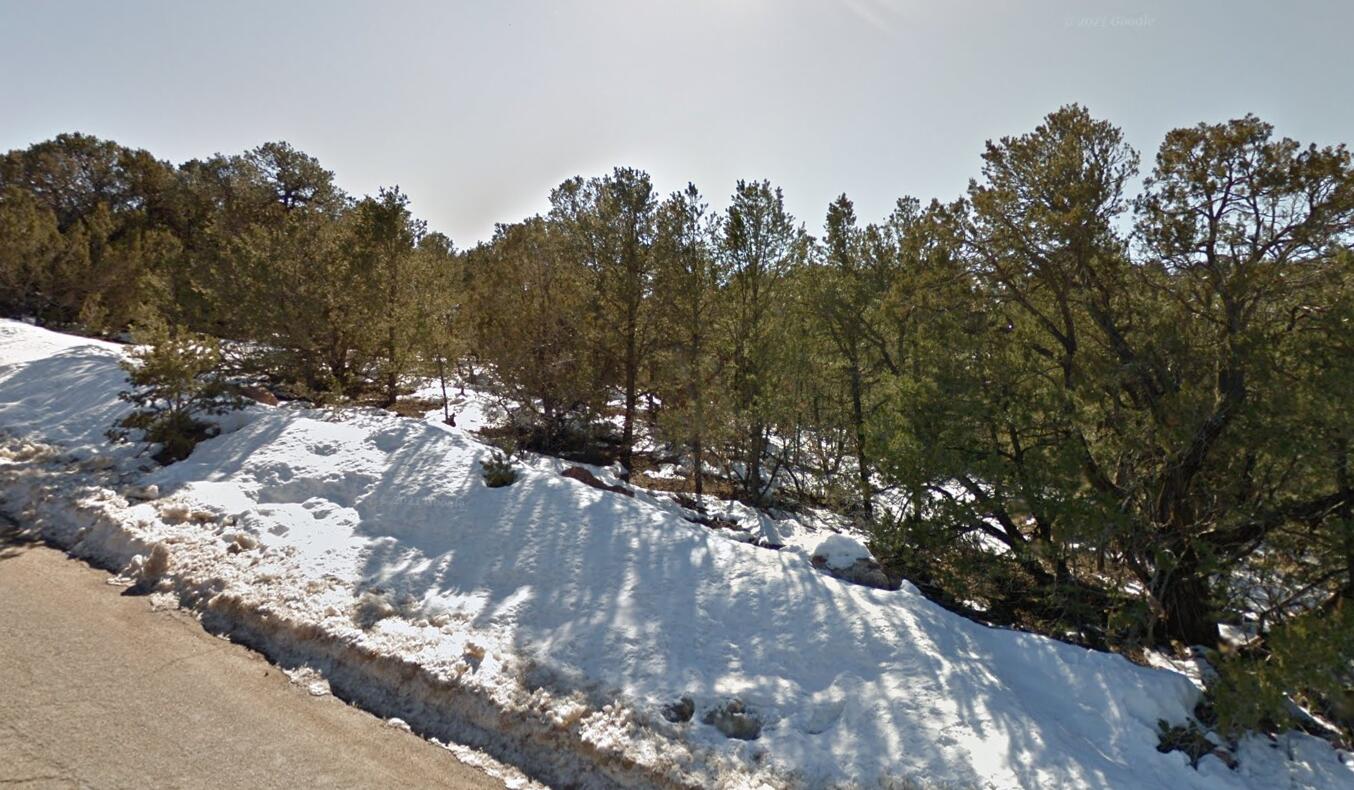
(478, 109)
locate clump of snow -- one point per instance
(309, 678)
(175, 512)
(551, 624)
(148, 569)
(841, 551)
(372, 608)
(146, 492)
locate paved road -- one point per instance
(98, 690)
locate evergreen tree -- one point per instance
(530, 306)
(760, 246)
(845, 292)
(30, 245)
(690, 276)
(1245, 231)
(383, 239)
(610, 224)
(176, 384)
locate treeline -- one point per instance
(1120, 418)
(258, 247)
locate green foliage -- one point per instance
(84, 238)
(383, 239)
(176, 383)
(498, 471)
(761, 247)
(1108, 417)
(533, 298)
(1308, 660)
(689, 275)
(607, 225)
(1122, 417)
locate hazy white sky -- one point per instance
(477, 109)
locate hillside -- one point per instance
(560, 627)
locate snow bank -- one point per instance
(552, 623)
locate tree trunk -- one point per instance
(631, 384)
(858, 423)
(753, 480)
(442, 378)
(1186, 601)
(697, 440)
(699, 459)
(1346, 514)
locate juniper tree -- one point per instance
(1244, 233)
(109, 204)
(440, 312)
(30, 246)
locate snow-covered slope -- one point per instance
(549, 618)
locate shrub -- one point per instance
(498, 471)
(1308, 660)
(176, 380)
(1188, 739)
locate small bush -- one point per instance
(176, 381)
(1308, 660)
(1188, 739)
(498, 471)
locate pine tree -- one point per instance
(176, 384)
(610, 224)
(844, 295)
(383, 239)
(690, 276)
(530, 297)
(760, 246)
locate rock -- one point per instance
(839, 551)
(865, 572)
(846, 558)
(734, 720)
(257, 393)
(680, 711)
(588, 478)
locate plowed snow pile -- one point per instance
(553, 624)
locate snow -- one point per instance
(841, 550)
(549, 622)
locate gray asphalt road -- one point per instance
(99, 690)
